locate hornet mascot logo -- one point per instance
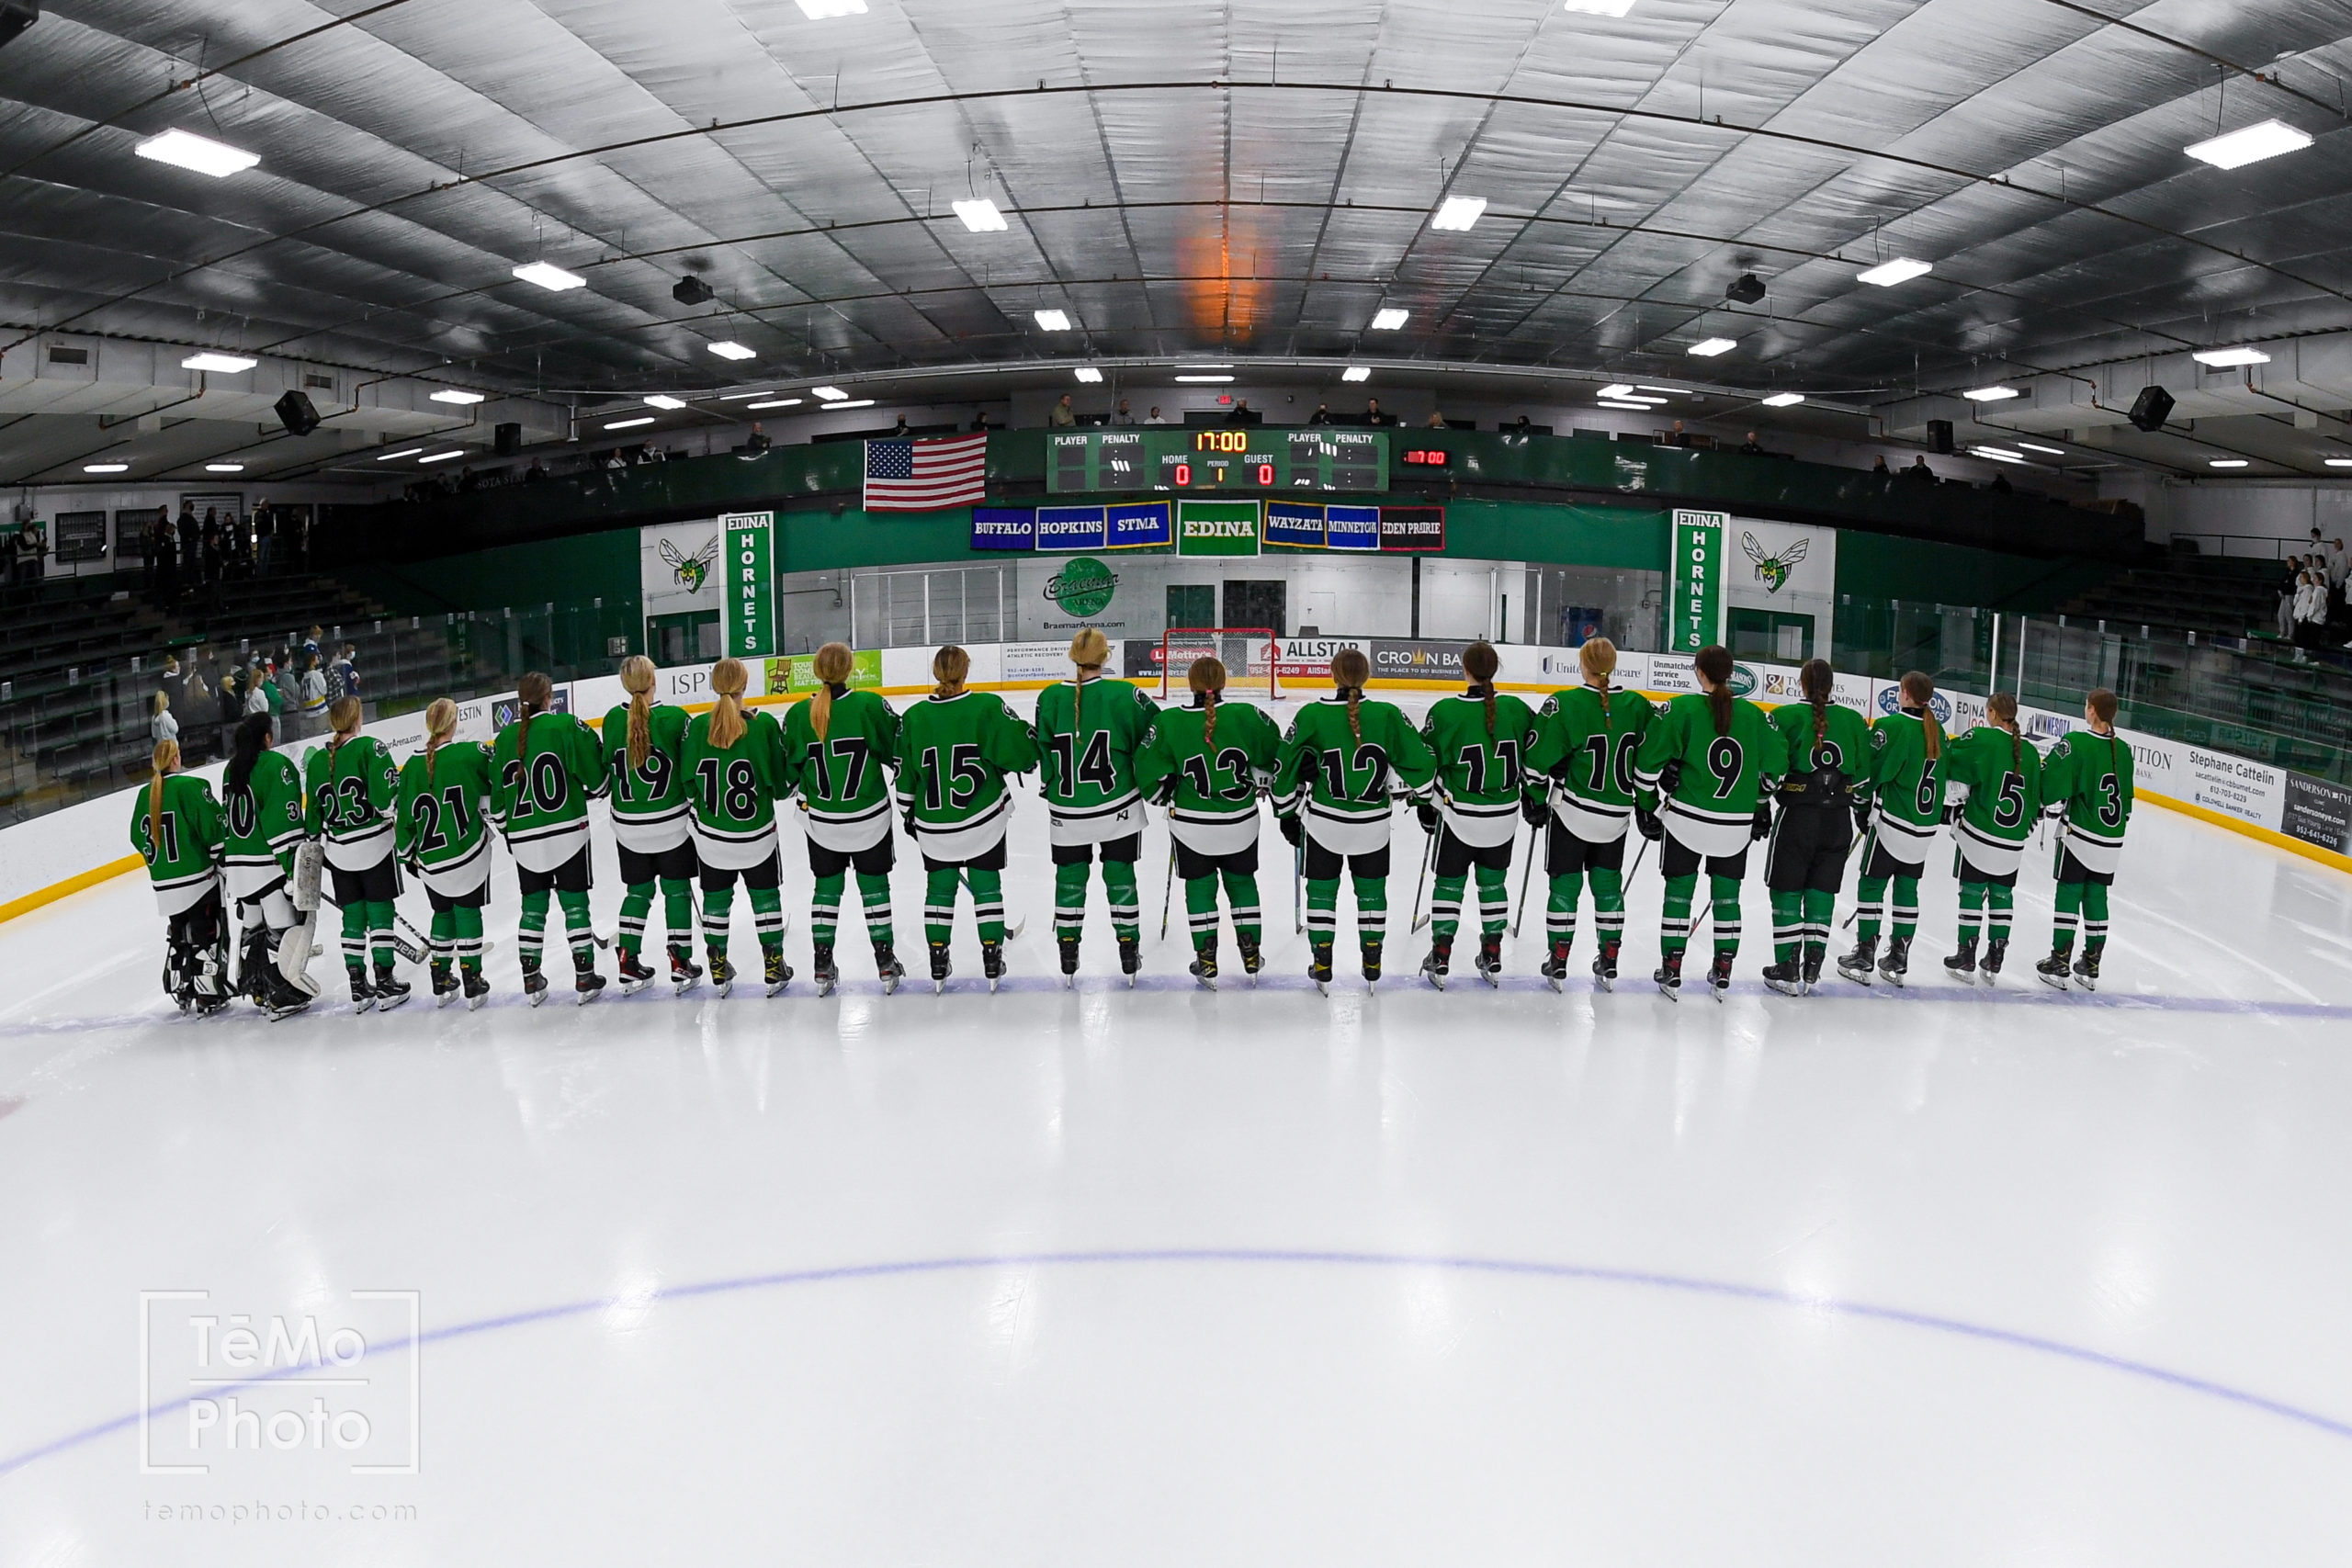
(1774, 571)
(693, 573)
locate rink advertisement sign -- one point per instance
(1216, 527)
(2318, 812)
(1695, 579)
(750, 582)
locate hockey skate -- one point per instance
(2052, 969)
(1995, 952)
(822, 968)
(886, 965)
(1786, 978)
(722, 973)
(586, 984)
(1604, 966)
(1319, 965)
(535, 984)
(2087, 967)
(1490, 959)
(1204, 968)
(992, 963)
(777, 972)
(1130, 958)
(1434, 967)
(1070, 962)
(1813, 961)
(1961, 965)
(363, 994)
(1372, 964)
(1862, 962)
(1670, 975)
(1719, 974)
(634, 972)
(477, 990)
(1897, 964)
(390, 992)
(445, 985)
(940, 968)
(1252, 959)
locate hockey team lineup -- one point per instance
(1717, 785)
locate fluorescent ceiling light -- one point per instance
(1388, 320)
(1458, 212)
(1601, 8)
(627, 424)
(1707, 348)
(1998, 454)
(1203, 379)
(226, 364)
(1088, 374)
(663, 400)
(186, 149)
(776, 404)
(2338, 462)
(1617, 390)
(2219, 357)
(1669, 391)
(2225, 463)
(1054, 320)
(2036, 447)
(979, 215)
(1784, 400)
(1356, 373)
(831, 394)
(552, 278)
(454, 397)
(728, 350)
(1640, 401)
(1208, 364)
(224, 467)
(738, 397)
(1612, 404)
(852, 403)
(444, 456)
(818, 10)
(106, 468)
(1989, 394)
(403, 451)
(2251, 145)
(1902, 269)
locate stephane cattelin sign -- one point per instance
(1695, 580)
(749, 575)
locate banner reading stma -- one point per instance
(1695, 576)
(750, 582)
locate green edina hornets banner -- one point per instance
(749, 578)
(1695, 581)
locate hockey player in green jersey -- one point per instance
(1585, 742)
(641, 740)
(1088, 729)
(736, 772)
(1335, 776)
(1207, 764)
(445, 840)
(1906, 811)
(544, 770)
(954, 750)
(261, 811)
(842, 747)
(2003, 777)
(1713, 757)
(176, 827)
(1480, 742)
(1828, 776)
(355, 797)
(2086, 780)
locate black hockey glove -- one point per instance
(1762, 826)
(909, 820)
(1427, 812)
(1292, 833)
(1558, 773)
(1535, 809)
(1861, 816)
(1669, 778)
(1166, 793)
(1647, 821)
(1952, 810)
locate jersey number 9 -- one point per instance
(1724, 760)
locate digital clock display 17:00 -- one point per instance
(1221, 458)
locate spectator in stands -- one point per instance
(1155, 418)
(215, 545)
(315, 693)
(2339, 566)
(1751, 445)
(1436, 421)
(228, 697)
(1372, 414)
(2000, 484)
(1525, 426)
(343, 677)
(162, 561)
(257, 689)
(1678, 437)
(2287, 591)
(2310, 609)
(173, 684)
(1880, 467)
(191, 534)
(980, 420)
(161, 725)
(1123, 416)
(535, 473)
(1239, 412)
(899, 426)
(1920, 471)
(264, 537)
(1064, 416)
(1322, 414)
(24, 552)
(758, 442)
(294, 536)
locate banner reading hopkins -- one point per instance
(1695, 581)
(750, 582)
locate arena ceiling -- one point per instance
(1251, 179)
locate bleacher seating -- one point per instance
(2210, 595)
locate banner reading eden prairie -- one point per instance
(751, 583)
(1696, 580)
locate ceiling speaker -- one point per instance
(296, 415)
(16, 15)
(1749, 290)
(1939, 436)
(2150, 409)
(506, 440)
(691, 290)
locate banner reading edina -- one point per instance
(1696, 580)
(751, 583)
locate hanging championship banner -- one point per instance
(1695, 579)
(750, 582)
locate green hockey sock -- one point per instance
(1820, 917)
(1494, 900)
(939, 904)
(2068, 914)
(1788, 926)
(1674, 926)
(637, 902)
(2094, 916)
(1609, 905)
(987, 902)
(1560, 908)
(1371, 909)
(1972, 911)
(1906, 907)
(768, 917)
(718, 903)
(1870, 899)
(1323, 911)
(2004, 901)
(1069, 898)
(1200, 911)
(379, 933)
(1126, 911)
(442, 939)
(875, 891)
(678, 908)
(582, 928)
(825, 908)
(1445, 906)
(1727, 895)
(355, 936)
(530, 933)
(466, 919)
(1241, 894)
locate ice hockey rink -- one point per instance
(1933, 1276)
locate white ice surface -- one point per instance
(1259, 1277)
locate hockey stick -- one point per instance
(1168, 892)
(1298, 883)
(1534, 847)
(1429, 853)
(1012, 928)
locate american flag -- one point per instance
(924, 475)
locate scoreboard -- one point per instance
(1219, 457)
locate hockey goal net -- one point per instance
(1247, 652)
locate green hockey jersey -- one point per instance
(845, 778)
(1720, 778)
(954, 754)
(1087, 735)
(1342, 779)
(1835, 769)
(1480, 771)
(263, 823)
(353, 793)
(648, 800)
(1907, 787)
(2086, 778)
(1217, 778)
(1585, 742)
(444, 815)
(734, 789)
(2003, 775)
(544, 770)
(182, 851)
